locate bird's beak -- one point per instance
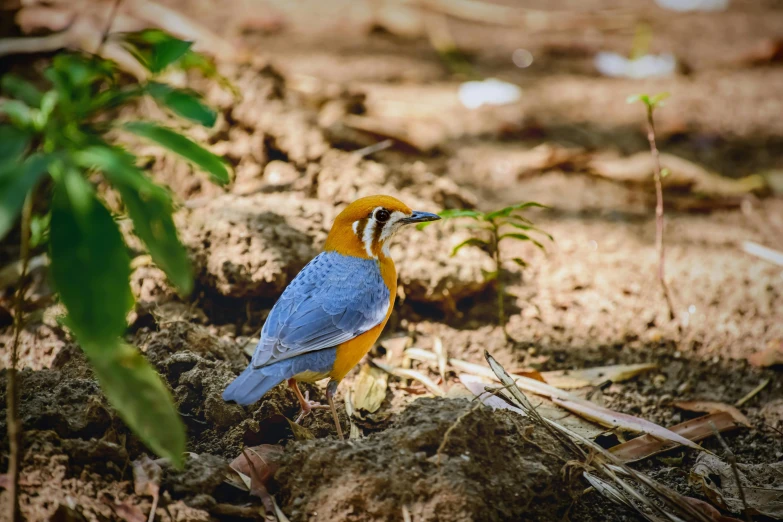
(419, 216)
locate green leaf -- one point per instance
(15, 184)
(521, 262)
(451, 214)
(657, 100)
(149, 206)
(530, 228)
(83, 70)
(19, 113)
(651, 102)
(183, 103)
(136, 391)
(167, 52)
(522, 237)
(13, 143)
(489, 275)
(638, 98)
(206, 66)
(473, 241)
(458, 213)
(506, 212)
(39, 229)
(156, 49)
(21, 89)
(181, 145)
(90, 266)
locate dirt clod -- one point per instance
(442, 459)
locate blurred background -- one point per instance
(458, 104)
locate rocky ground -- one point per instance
(307, 104)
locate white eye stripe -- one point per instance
(368, 236)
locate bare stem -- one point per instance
(659, 219)
(12, 389)
(500, 288)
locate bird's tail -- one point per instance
(252, 384)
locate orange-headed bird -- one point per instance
(333, 311)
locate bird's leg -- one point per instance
(304, 401)
(331, 390)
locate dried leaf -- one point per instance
(708, 510)
(299, 431)
(693, 429)
(543, 406)
(613, 419)
(761, 483)
(146, 481)
(369, 389)
(714, 407)
(265, 458)
(146, 477)
(411, 374)
(772, 355)
(573, 379)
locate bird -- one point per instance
(330, 315)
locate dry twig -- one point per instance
(733, 463)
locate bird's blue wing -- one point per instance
(332, 300)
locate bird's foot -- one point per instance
(308, 406)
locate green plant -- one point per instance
(61, 136)
(651, 103)
(489, 232)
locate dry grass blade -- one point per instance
(610, 463)
(693, 430)
(572, 379)
(564, 380)
(762, 252)
(607, 490)
(442, 355)
(411, 374)
(613, 419)
(714, 407)
(752, 393)
(525, 383)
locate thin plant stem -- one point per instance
(659, 218)
(109, 23)
(498, 276)
(12, 388)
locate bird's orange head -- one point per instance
(364, 228)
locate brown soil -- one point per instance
(591, 300)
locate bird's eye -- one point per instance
(382, 215)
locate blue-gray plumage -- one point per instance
(253, 383)
(335, 298)
(332, 300)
